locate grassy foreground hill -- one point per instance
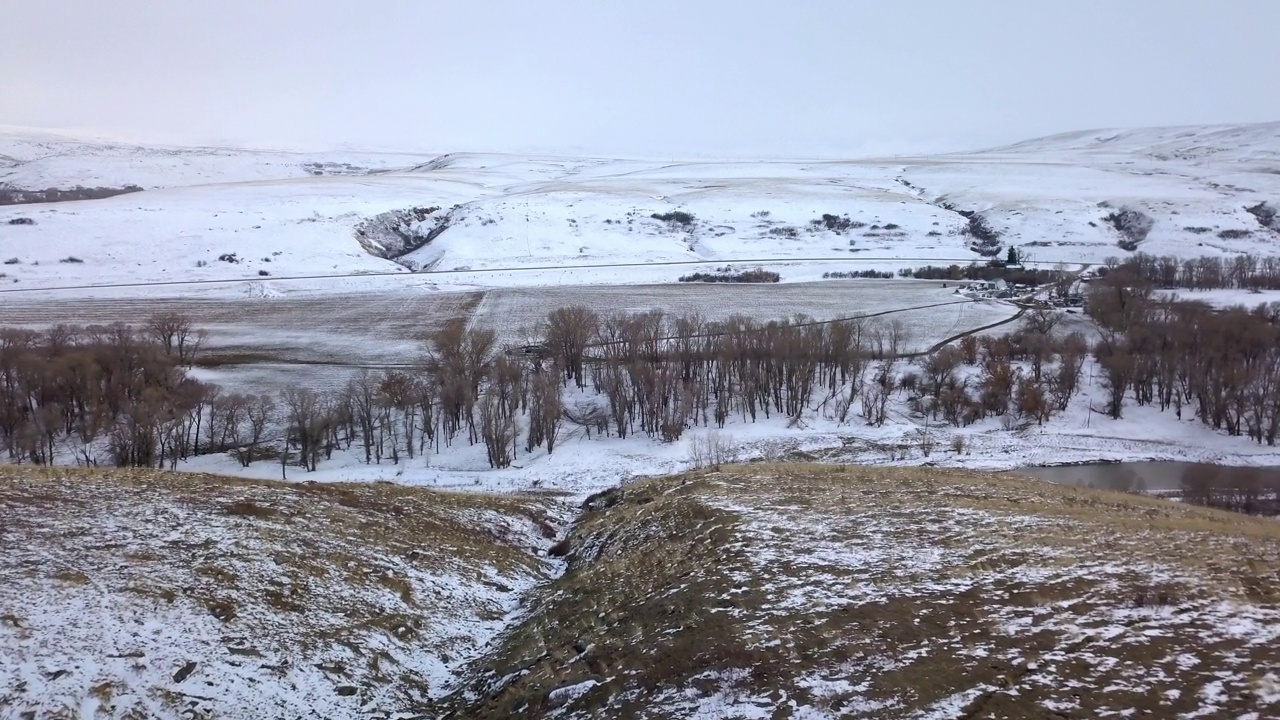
(800, 591)
(141, 594)
(758, 591)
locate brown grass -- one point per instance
(248, 508)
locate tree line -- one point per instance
(1242, 272)
(121, 395)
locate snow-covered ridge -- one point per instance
(1075, 198)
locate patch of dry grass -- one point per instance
(872, 592)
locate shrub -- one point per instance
(229, 258)
(1235, 234)
(785, 231)
(1198, 229)
(892, 226)
(933, 233)
(12, 261)
(71, 259)
(987, 237)
(263, 273)
(676, 217)
(760, 214)
(22, 221)
(836, 223)
(202, 263)
(710, 450)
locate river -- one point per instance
(1140, 476)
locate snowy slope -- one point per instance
(1187, 189)
(135, 593)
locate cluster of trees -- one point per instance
(1221, 365)
(1025, 376)
(120, 395)
(658, 374)
(993, 270)
(868, 274)
(116, 387)
(1244, 272)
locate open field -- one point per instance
(349, 328)
(794, 591)
(127, 594)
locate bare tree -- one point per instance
(1041, 320)
(569, 330)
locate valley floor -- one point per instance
(321, 340)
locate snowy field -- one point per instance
(386, 328)
(289, 214)
(137, 594)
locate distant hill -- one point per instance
(1075, 198)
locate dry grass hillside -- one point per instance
(140, 594)
(799, 591)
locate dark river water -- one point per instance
(1136, 476)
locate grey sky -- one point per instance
(661, 78)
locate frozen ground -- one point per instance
(291, 214)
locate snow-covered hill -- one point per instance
(1072, 198)
(36, 160)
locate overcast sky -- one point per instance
(655, 78)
